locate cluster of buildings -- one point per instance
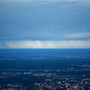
(43, 80)
(70, 84)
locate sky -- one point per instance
(44, 24)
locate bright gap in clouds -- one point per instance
(79, 35)
(46, 44)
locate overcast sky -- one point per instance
(44, 24)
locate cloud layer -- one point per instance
(81, 1)
(46, 44)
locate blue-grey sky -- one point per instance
(44, 23)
